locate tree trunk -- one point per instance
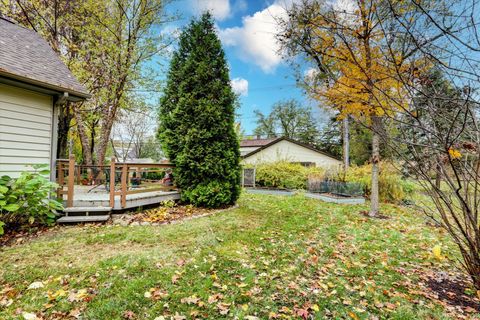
(438, 176)
(92, 139)
(102, 144)
(346, 144)
(374, 196)
(64, 118)
(88, 160)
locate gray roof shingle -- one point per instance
(25, 55)
(256, 142)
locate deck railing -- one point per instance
(117, 178)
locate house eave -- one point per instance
(291, 141)
(42, 87)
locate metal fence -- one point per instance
(347, 189)
(248, 177)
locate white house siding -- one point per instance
(291, 152)
(26, 122)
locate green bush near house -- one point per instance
(283, 174)
(26, 200)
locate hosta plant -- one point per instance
(27, 200)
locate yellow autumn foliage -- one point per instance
(454, 153)
(368, 80)
(437, 252)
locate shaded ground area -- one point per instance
(272, 257)
(452, 292)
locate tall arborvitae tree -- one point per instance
(196, 117)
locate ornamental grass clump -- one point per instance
(392, 186)
(285, 175)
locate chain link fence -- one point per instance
(340, 188)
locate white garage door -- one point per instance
(25, 130)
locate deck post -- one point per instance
(112, 182)
(123, 198)
(79, 175)
(60, 178)
(71, 180)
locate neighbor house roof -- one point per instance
(256, 142)
(27, 58)
(264, 145)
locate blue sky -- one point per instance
(246, 28)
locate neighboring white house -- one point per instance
(257, 151)
(33, 83)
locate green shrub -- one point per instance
(154, 174)
(26, 200)
(211, 194)
(283, 174)
(392, 187)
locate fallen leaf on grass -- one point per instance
(190, 300)
(35, 285)
(4, 302)
(223, 308)
(273, 315)
(179, 317)
(57, 295)
(214, 298)
(470, 310)
(302, 313)
(75, 313)
(128, 314)
(155, 294)
(437, 252)
(9, 292)
(175, 278)
(79, 295)
(29, 316)
(390, 305)
(353, 315)
(181, 262)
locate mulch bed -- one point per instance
(451, 290)
(165, 215)
(12, 237)
(378, 216)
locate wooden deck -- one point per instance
(96, 191)
(92, 197)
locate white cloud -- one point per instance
(240, 86)
(220, 9)
(346, 10)
(310, 73)
(255, 39)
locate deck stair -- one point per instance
(85, 214)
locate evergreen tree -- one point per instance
(196, 116)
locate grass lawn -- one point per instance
(272, 257)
